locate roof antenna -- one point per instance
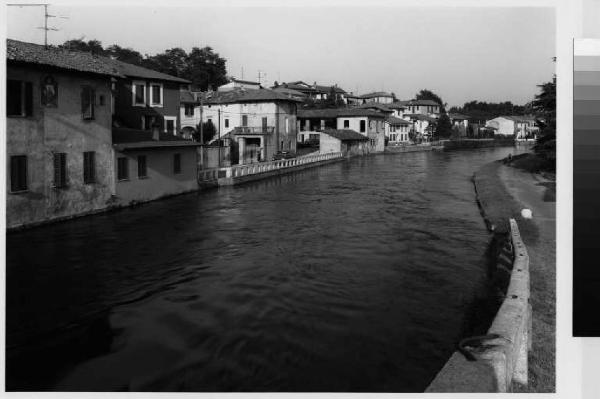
(45, 28)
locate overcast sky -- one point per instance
(462, 54)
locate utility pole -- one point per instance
(201, 120)
(45, 28)
(219, 135)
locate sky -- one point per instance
(461, 53)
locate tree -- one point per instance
(426, 94)
(125, 54)
(544, 105)
(91, 46)
(205, 68)
(444, 127)
(209, 131)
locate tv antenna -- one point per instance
(45, 28)
(261, 74)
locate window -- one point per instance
(156, 94)
(19, 98)
(60, 170)
(122, 168)
(189, 109)
(176, 163)
(170, 122)
(88, 97)
(346, 124)
(18, 173)
(244, 120)
(139, 93)
(89, 167)
(101, 100)
(226, 122)
(142, 168)
(287, 125)
(147, 122)
(363, 126)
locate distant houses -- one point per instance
(517, 126)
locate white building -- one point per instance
(396, 130)
(520, 127)
(380, 97)
(423, 107)
(238, 84)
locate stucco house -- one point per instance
(422, 125)
(58, 125)
(144, 97)
(346, 141)
(519, 126)
(152, 164)
(314, 91)
(380, 97)
(238, 84)
(396, 130)
(423, 107)
(259, 123)
(367, 122)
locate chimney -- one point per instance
(155, 132)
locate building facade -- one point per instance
(346, 141)
(59, 150)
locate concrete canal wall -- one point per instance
(408, 148)
(495, 361)
(475, 143)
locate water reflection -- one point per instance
(350, 277)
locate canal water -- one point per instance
(354, 276)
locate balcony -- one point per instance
(262, 130)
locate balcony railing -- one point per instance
(254, 130)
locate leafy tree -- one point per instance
(125, 54)
(209, 131)
(444, 127)
(426, 94)
(205, 68)
(544, 105)
(91, 46)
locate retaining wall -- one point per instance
(493, 362)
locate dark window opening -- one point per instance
(244, 120)
(18, 173)
(226, 122)
(346, 124)
(60, 170)
(102, 99)
(19, 98)
(142, 168)
(140, 94)
(88, 97)
(122, 169)
(363, 126)
(89, 167)
(189, 109)
(170, 125)
(156, 94)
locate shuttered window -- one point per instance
(89, 167)
(177, 163)
(18, 173)
(88, 99)
(122, 169)
(142, 168)
(19, 98)
(60, 170)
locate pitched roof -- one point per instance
(423, 102)
(421, 117)
(338, 112)
(249, 82)
(186, 96)
(397, 105)
(291, 92)
(377, 94)
(240, 95)
(377, 106)
(80, 61)
(392, 120)
(452, 115)
(519, 118)
(305, 87)
(125, 138)
(345, 134)
(131, 70)
(31, 53)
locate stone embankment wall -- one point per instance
(495, 361)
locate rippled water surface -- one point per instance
(355, 276)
